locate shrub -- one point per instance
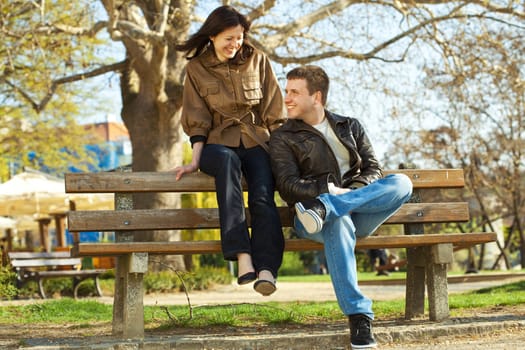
(7, 283)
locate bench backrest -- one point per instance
(123, 183)
(42, 259)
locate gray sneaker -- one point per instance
(361, 332)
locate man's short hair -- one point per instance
(316, 79)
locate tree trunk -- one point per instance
(156, 138)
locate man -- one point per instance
(325, 166)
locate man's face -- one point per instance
(299, 103)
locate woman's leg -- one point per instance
(267, 235)
(225, 166)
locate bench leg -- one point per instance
(97, 286)
(128, 304)
(78, 280)
(439, 257)
(415, 283)
(41, 289)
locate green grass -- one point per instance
(88, 313)
(361, 276)
(371, 276)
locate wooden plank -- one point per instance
(164, 219)
(205, 247)
(34, 255)
(45, 262)
(433, 178)
(112, 182)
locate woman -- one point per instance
(231, 103)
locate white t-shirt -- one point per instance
(341, 153)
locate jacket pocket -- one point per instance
(252, 88)
(210, 93)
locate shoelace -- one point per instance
(361, 326)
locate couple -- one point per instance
(323, 163)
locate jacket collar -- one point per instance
(209, 58)
(333, 119)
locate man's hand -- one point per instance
(333, 189)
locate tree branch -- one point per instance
(63, 28)
(40, 106)
(261, 10)
(371, 54)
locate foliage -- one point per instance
(39, 113)
(63, 287)
(7, 282)
(201, 279)
(293, 264)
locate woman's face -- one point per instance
(228, 42)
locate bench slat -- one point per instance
(164, 219)
(71, 273)
(45, 262)
(113, 182)
(296, 244)
(35, 255)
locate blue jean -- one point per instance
(228, 165)
(357, 213)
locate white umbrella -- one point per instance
(38, 194)
(30, 193)
(7, 223)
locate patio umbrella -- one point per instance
(7, 223)
(30, 193)
(38, 194)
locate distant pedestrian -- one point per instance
(379, 257)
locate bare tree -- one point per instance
(482, 127)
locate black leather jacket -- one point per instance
(303, 163)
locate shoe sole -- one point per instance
(264, 287)
(369, 346)
(312, 223)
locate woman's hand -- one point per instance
(183, 169)
(193, 166)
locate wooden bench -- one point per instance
(39, 266)
(427, 257)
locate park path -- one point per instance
(302, 291)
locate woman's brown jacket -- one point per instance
(227, 102)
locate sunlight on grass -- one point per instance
(85, 312)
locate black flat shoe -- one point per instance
(246, 278)
(264, 287)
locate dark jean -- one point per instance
(228, 165)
